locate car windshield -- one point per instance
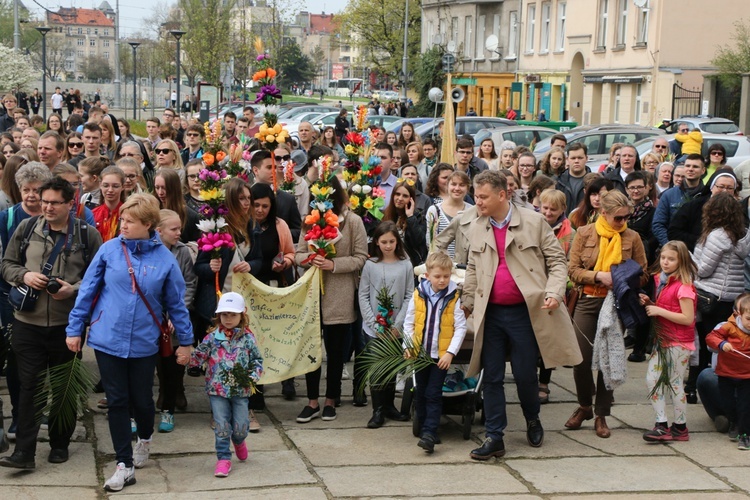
(719, 128)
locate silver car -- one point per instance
(706, 124)
(736, 146)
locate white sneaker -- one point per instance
(123, 476)
(140, 453)
(345, 373)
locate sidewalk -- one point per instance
(342, 458)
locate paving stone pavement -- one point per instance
(344, 459)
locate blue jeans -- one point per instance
(429, 401)
(232, 419)
(708, 390)
(128, 383)
(507, 329)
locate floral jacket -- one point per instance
(233, 361)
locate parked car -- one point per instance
(706, 124)
(389, 95)
(599, 139)
(521, 135)
(396, 126)
(291, 113)
(736, 146)
(465, 125)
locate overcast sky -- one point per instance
(132, 12)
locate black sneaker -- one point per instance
(329, 413)
(691, 397)
(427, 443)
(288, 389)
(308, 413)
(58, 456)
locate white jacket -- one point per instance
(721, 264)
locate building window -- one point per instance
(443, 29)
(454, 29)
(92, 43)
(560, 44)
(106, 55)
(80, 31)
(618, 89)
(530, 27)
(106, 32)
(468, 28)
(479, 39)
(81, 42)
(544, 42)
(96, 31)
(638, 105)
(513, 34)
(92, 53)
(88, 31)
(642, 36)
(622, 22)
(105, 43)
(430, 33)
(80, 54)
(496, 32)
(601, 39)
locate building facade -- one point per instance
(82, 33)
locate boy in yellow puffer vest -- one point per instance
(436, 324)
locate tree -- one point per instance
(294, 66)
(16, 70)
(96, 68)
(429, 74)
(377, 28)
(207, 43)
(29, 35)
(734, 61)
(57, 50)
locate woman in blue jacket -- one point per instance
(123, 333)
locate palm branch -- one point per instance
(657, 338)
(62, 391)
(383, 358)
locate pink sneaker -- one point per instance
(241, 451)
(223, 468)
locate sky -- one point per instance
(132, 12)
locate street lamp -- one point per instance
(135, 95)
(177, 34)
(44, 30)
(404, 62)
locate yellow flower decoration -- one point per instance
(368, 204)
(354, 201)
(212, 194)
(402, 180)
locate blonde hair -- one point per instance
(166, 214)
(438, 260)
(686, 268)
(144, 207)
(614, 200)
(553, 197)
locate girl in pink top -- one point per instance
(674, 317)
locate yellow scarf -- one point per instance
(610, 245)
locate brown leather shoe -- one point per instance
(602, 430)
(578, 416)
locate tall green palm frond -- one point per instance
(383, 358)
(62, 392)
(663, 381)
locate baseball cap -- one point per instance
(299, 158)
(231, 302)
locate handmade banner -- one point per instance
(286, 324)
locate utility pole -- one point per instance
(16, 27)
(405, 59)
(117, 54)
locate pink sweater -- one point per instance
(504, 292)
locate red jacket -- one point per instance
(731, 364)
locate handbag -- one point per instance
(707, 301)
(22, 298)
(571, 299)
(165, 338)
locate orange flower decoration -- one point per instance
(313, 218)
(208, 159)
(264, 73)
(331, 219)
(220, 155)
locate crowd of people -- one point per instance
(99, 234)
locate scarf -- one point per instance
(610, 245)
(642, 209)
(663, 279)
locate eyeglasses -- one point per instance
(75, 144)
(131, 176)
(53, 203)
(282, 158)
(716, 153)
(168, 115)
(162, 151)
(622, 218)
(650, 162)
(110, 186)
(192, 177)
(723, 188)
(636, 188)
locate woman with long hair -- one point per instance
(73, 146)
(342, 125)
(329, 139)
(192, 184)
(411, 225)
(716, 157)
(134, 182)
(337, 303)
(392, 139)
(488, 154)
(439, 216)
(168, 190)
(10, 149)
(107, 215)
(650, 161)
(109, 140)
(596, 248)
(414, 153)
(168, 157)
(55, 124)
(437, 182)
(124, 127)
(590, 207)
(406, 135)
(539, 184)
(8, 184)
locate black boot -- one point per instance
(377, 419)
(691, 395)
(389, 408)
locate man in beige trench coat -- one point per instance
(515, 282)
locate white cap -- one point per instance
(231, 302)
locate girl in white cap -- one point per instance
(234, 368)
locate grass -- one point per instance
(138, 128)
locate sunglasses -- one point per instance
(75, 144)
(193, 134)
(622, 218)
(162, 151)
(717, 153)
(283, 158)
(659, 146)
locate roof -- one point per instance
(321, 23)
(74, 16)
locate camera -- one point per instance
(53, 286)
